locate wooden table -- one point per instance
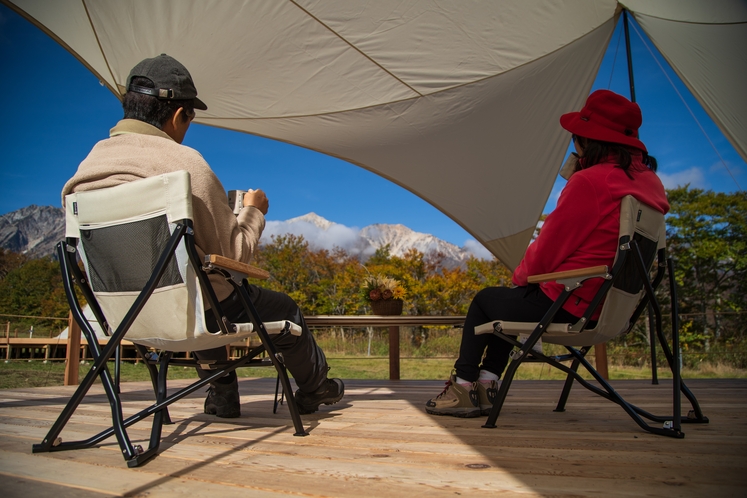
(393, 322)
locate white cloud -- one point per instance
(476, 249)
(693, 176)
(323, 234)
(318, 238)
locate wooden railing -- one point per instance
(74, 344)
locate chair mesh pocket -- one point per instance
(122, 258)
(630, 279)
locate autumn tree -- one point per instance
(9, 261)
(287, 259)
(340, 292)
(707, 237)
(321, 282)
(34, 289)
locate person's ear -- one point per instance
(176, 126)
(178, 117)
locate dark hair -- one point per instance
(150, 109)
(596, 152)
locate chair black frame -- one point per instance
(629, 252)
(157, 365)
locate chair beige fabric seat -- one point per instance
(173, 319)
(628, 288)
(146, 281)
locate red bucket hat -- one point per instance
(606, 117)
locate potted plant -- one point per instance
(385, 294)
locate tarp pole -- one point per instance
(630, 58)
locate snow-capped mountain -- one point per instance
(35, 230)
(401, 239)
(313, 219)
(324, 234)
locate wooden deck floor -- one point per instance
(379, 442)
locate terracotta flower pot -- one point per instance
(387, 307)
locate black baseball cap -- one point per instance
(171, 78)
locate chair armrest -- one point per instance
(593, 271)
(238, 266)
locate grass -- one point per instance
(425, 355)
(36, 373)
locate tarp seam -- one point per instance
(390, 102)
(101, 49)
(338, 35)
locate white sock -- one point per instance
(486, 377)
(463, 383)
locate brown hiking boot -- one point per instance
(455, 400)
(486, 393)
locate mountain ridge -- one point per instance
(35, 230)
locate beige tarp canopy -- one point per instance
(457, 101)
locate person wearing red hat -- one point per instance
(610, 163)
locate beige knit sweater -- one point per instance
(138, 150)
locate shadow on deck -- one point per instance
(379, 442)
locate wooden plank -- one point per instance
(72, 358)
(36, 341)
(54, 341)
(382, 320)
(7, 341)
(393, 353)
(560, 275)
(115, 481)
(379, 441)
(600, 360)
(286, 462)
(231, 264)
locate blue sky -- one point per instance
(56, 110)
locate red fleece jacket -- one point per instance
(583, 229)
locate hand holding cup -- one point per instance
(258, 199)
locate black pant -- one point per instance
(303, 357)
(517, 304)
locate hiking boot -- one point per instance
(486, 393)
(455, 400)
(330, 392)
(223, 400)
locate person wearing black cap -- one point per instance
(159, 106)
(610, 163)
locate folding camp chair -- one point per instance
(144, 281)
(627, 290)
